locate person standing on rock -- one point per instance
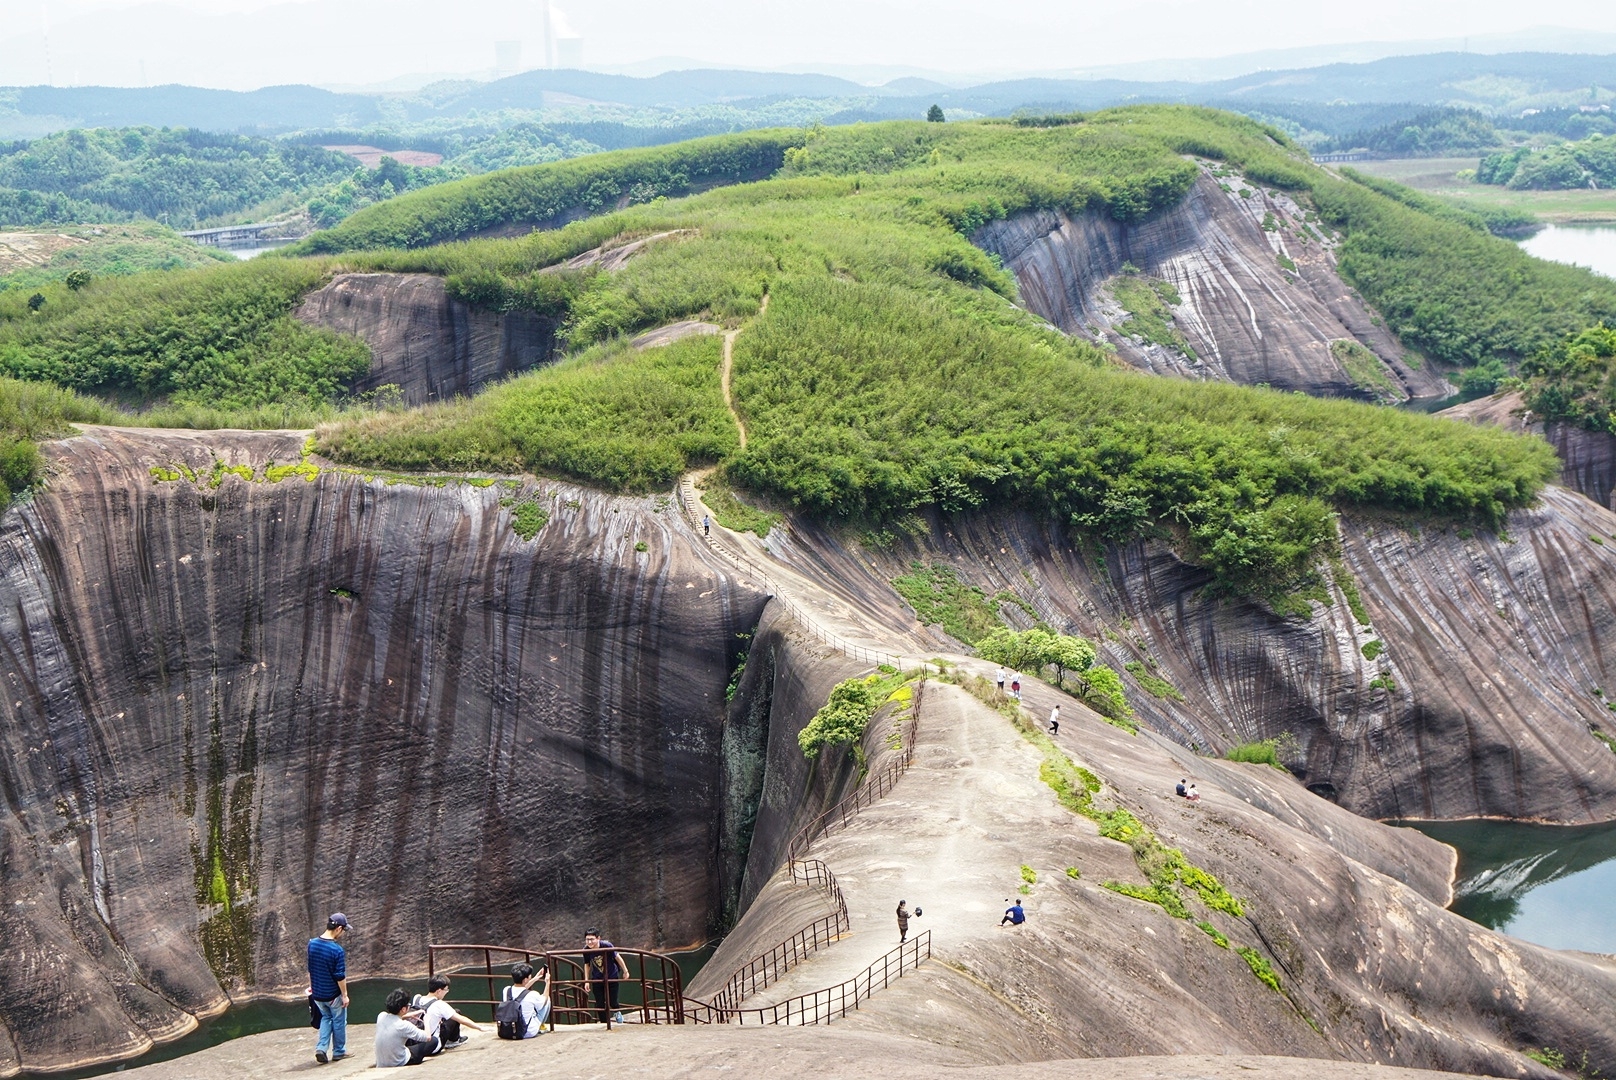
(1015, 686)
(328, 984)
(1001, 678)
(603, 967)
(706, 525)
(903, 921)
(1054, 720)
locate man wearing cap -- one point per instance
(328, 985)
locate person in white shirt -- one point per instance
(1054, 720)
(441, 1019)
(536, 1003)
(399, 1042)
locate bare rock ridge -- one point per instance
(1468, 694)
(1259, 298)
(423, 341)
(1371, 968)
(1587, 458)
(233, 705)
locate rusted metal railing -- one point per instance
(653, 992)
(874, 788)
(827, 1005)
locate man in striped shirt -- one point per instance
(328, 985)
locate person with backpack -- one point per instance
(523, 1008)
(328, 988)
(440, 1018)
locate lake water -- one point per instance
(1593, 246)
(1550, 884)
(365, 1000)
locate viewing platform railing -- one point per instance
(822, 1006)
(653, 992)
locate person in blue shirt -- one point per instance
(1014, 915)
(328, 985)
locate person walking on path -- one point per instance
(1054, 720)
(603, 967)
(1014, 915)
(328, 985)
(1015, 686)
(1001, 678)
(903, 921)
(706, 525)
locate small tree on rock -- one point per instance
(935, 114)
(77, 279)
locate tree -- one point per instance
(36, 301)
(935, 114)
(77, 279)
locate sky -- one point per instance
(243, 44)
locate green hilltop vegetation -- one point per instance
(1590, 163)
(115, 250)
(891, 372)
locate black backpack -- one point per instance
(508, 1023)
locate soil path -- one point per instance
(728, 366)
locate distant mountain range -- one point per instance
(1333, 98)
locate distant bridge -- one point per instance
(1351, 155)
(237, 235)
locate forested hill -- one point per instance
(891, 371)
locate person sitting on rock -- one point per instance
(442, 1021)
(1182, 791)
(398, 1041)
(535, 1002)
(1191, 794)
(1014, 915)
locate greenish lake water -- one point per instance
(366, 998)
(1554, 885)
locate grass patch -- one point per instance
(1264, 752)
(528, 517)
(1261, 968)
(940, 597)
(1028, 874)
(1372, 649)
(732, 513)
(1212, 932)
(1148, 302)
(1349, 588)
(1609, 741)
(1365, 370)
(1153, 685)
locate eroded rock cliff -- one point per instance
(1469, 693)
(423, 341)
(1256, 297)
(234, 705)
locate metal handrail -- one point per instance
(823, 1006)
(659, 985)
(844, 811)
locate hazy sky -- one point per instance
(247, 43)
